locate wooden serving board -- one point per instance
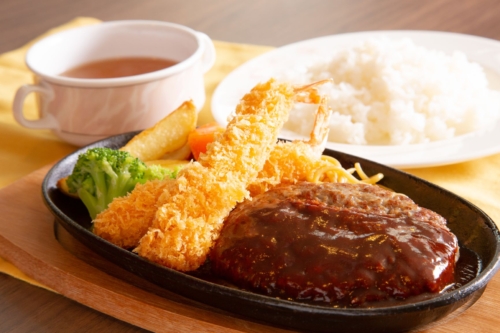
(27, 240)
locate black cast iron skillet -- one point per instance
(474, 229)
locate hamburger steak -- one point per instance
(345, 245)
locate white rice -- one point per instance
(393, 92)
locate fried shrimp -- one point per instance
(258, 119)
(193, 207)
(128, 218)
(290, 162)
(297, 161)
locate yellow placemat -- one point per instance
(23, 151)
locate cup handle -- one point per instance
(46, 121)
(208, 58)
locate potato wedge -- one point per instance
(168, 164)
(166, 136)
(183, 153)
(63, 187)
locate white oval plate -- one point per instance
(484, 51)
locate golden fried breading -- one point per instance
(298, 161)
(289, 163)
(292, 162)
(128, 218)
(192, 211)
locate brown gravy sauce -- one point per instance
(303, 250)
(467, 268)
(118, 67)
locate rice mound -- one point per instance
(393, 92)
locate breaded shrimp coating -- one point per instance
(299, 161)
(292, 162)
(193, 208)
(128, 218)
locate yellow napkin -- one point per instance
(477, 181)
(23, 151)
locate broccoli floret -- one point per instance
(102, 174)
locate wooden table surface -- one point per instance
(25, 308)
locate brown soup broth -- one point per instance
(118, 67)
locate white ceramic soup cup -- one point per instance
(81, 111)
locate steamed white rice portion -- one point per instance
(389, 92)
